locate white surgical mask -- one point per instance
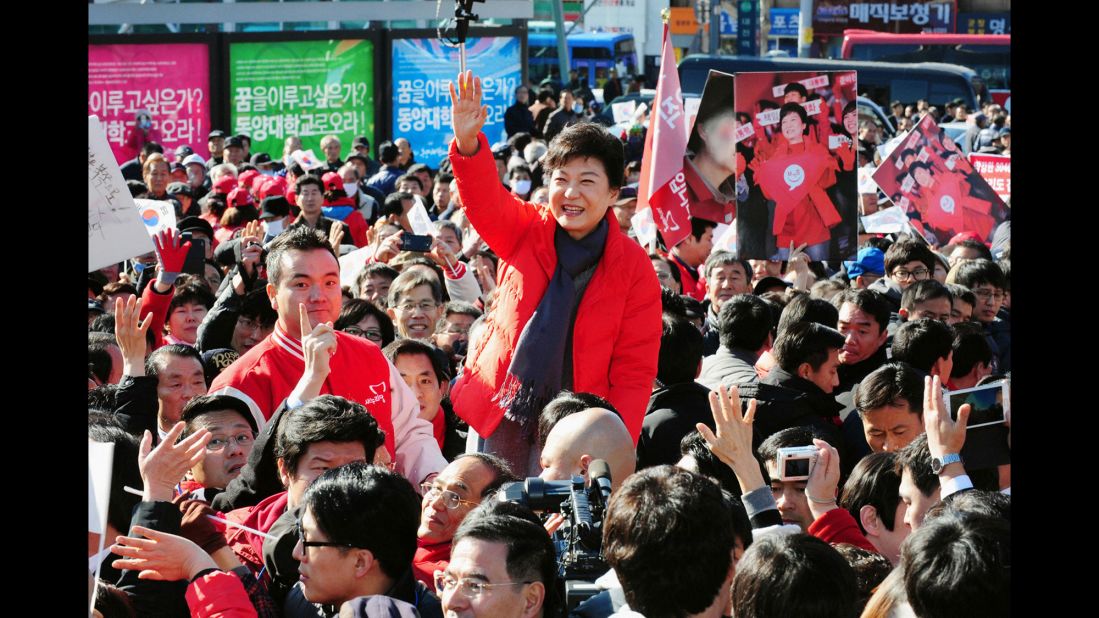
(273, 228)
(351, 189)
(521, 187)
(577, 108)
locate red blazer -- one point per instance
(616, 338)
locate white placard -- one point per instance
(888, 221)
(866, 180)
(352, 263)
(419, 219)
(115, 230)
(644, 227)
(725, 237)
(623, 111)
(157, 215)
(690, 109)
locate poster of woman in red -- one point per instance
(802, 185)
(938, 188)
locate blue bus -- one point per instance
(592, 54)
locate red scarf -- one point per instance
(795, 174)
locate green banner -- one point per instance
(305, 88)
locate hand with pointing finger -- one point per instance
(318, 345)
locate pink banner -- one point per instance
(996, 169)
(169, 81)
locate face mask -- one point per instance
(273, 228)
(138, 267)
(145, 123)
(522, 187)
(577, 108)
(351, 189)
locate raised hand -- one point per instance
(820, 490)
(160, 556)
(318, 344)
(467, 114)
(442, 254)
(335, 237)
(732, 442)
(944, 435)
(129, 332)
(389, 248)
(162, 467)
(171, 252)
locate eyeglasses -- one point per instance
(409, 307)
(241, 440)
(372, 334)
(451, 500)
(306, 544)
(919, 273)
(470, 588)
(986, 294)
(253, 325)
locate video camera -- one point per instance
(579, 540)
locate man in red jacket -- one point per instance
(690, 254)
(578, 303)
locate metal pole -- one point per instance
(805, 28)
(562, 45)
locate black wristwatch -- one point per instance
(938, 463)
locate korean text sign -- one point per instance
(169, 81)
(832, 17)
(422, 68)
(306, 88)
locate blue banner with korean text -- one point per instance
(422, 68)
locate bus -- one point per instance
(591, 54)
(987, 54)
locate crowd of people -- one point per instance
(316, 417)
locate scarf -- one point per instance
(537, 366)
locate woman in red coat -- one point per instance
(577, 304)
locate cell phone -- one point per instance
(795, 463)
(989, 403)
(195, 263)
(415, 242)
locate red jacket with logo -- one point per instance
(616, 337)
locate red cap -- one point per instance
(271, 185)
(961, 237)
(239, 197)
(225, 184)
(247, 178)
(332, 181)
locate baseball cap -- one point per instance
(247, 178)
(95, 305)
(274, 206)
(216, 133)
(626, 194)
(868, 261)
(180, 188)
(360, 141)
(239, 197)
(194, 158)
(213, 363)
(767, 283)
(261, 158)
(195, 224)
(225, 184)
(234, 141)
(332, 181)
(271, 185)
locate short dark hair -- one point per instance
(531, 556)
(874, 481)
(305, 180)
(916, 458)
(970, 348)
(804, 308)
(326, 418)
(668, 535)
(205, 404)
(977, 245)
(388, 152)
(959, 565)
(457, 307)
(410, 347)
(680, 351)
(807, 342)
(356, 310)
(301, 238)
(500, 468)
(795, 87)
(801, 435)
(191, 293)
(694, 445)
(410, 280)
(377, 269)
(99, 358)
(889, 385)
(922, 342)
(256, 305)
(699, 227)
(974, 273)
(870, 568)
(410, 177)
(794, 575)
(986, 502)
(103, 397)
(795, 108)
(923, 291)
(962, 293)
(722, 258)
(583, 140)
(908, 250)
(156, 361)
(869, 301)
(368, 507)
(744, 322)
(565, 404)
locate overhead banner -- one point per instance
(305, 88)
(169, 82)
(794, 137)
(832, 17)
(930, 178)
(422, 68)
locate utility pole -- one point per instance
(562, 45)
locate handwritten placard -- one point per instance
(115, 229)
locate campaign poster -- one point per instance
(940, 191)
(305, 88)
(796, 134)
(167, 84)
(996, 170)
(710, 162)
(422, 70)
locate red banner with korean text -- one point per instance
(663, 186)
(996, 170)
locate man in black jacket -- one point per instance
(745, 332)
(518, 118)
(863, 322)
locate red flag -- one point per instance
(663, 185)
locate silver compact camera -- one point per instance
(795, 463)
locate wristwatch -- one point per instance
(938, 463)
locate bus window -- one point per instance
(908, 90)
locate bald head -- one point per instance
(578, 439)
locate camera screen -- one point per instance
(797, 467)
(986, 402)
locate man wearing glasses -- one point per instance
(503, 566)
(415, 304)
(356, 538)
(234, 431)
(906, 262)
(460, 487)
(987, 282)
